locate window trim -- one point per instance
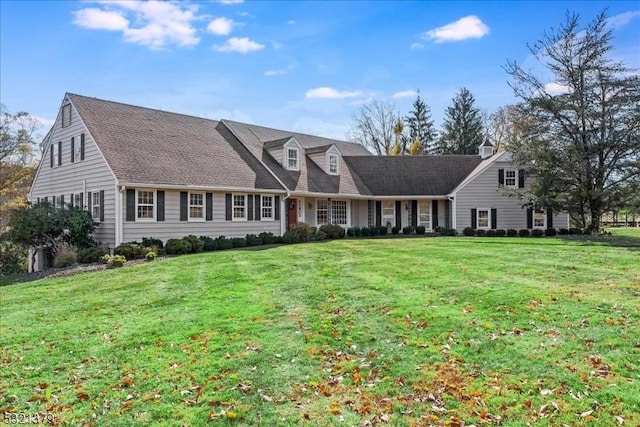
(347, 211)
(477, 224)
(77, 151)
(288, 150)
(262, 207)
(154, 205)
(428, 202)
(56, 154)
(95, 203)
(515, 178)
(203, 206)
(233, 207)
(325, 209)
(384, 219)
(544, 219)
(329, 157)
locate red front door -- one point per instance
(292, 212)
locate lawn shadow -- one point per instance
(631, 243)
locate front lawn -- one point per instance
(432, 331)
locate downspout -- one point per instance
(118, 219)
(283, 216)
(454, 218)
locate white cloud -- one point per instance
(271, 73)
(44, 121)
(291, 21)
(240, 44)
(362, 101)
(150, 23)
(277, 45)
(468, 27)
(220, 26)
(231, 1)
(416, 46)
(556, 89)
(404, 94)
(622, 19)
(331, 93)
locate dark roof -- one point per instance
(144, 145)
(412, 175)
(320, 149)
(487, 143)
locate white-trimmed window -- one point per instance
(510, 178)
(388, 212)
(95, 205)
(333, 164)
(424, 214)
(322, 212)
(539, 218)
(196, 206)
(293, 159)
(77, 200)
(145, 205)
(77, 150)
(56, 153)
(57, 202)
(267, 208)
(239, 207)
(484, 219)
(339, 212)
(66, 115)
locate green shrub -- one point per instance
(563, 232)
(90, 255)
(481, 233)
(65, 257)
(177, 246)
(407, 230)
(395, 230)
(351, 231)
(365, 232)
(332, 231)
(374, 231)
(149, 242)
(196, 245)
(268, 238)
(299, 233)
(491, 233)
(131, 250)
(501, 233)
(550, 232)
(445, 231)
(151, 256)
(468, 231)
(114, 261)
(320, 236)
(577, 231)
(524, 233)
(208, 243)
(253, 240)
(238, 242)
(13, 257)
(536, 232)
(224, 243)
(420, 229)
(383, 231)
(512, 233)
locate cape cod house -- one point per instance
(143, 172)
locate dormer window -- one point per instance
(333, 164)
(293, 159)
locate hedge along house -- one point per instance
(149, 173)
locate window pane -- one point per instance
(321, 212)
(510, 178)
(424, 213)
(539, 219)
(339, 212)
(483, 218)
(267, 207)
(239, 206)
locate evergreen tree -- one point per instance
(462, 130)
(421, 128)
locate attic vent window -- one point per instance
(333, 164)
(292, 159)
(66, 115)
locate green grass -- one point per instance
(432, 331)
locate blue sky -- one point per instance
(303, 66)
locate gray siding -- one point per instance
(88, 175)
(320, 160)
(173, 228)
(484, 192)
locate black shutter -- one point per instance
(501, 176)
(209, 206)
(38, 200)
(378, 213)
(82, 146)
(227, 207)
(51, 156)
(529, 218)
(549, 218)
(258, 214)
(184, 214)
(46, 199)
(494, 219)
(521, 175)
(62, 201)
(434, 213)
(249, 207)
(131, 205)
(81, 201)
(60, 153)
(160, 206)
(474, 215)
(101, 205)
(71, 200)
(414, 213)
(398, 213)
(89, 203)
(73, 147)
(276, 207)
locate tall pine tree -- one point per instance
(462, 130)
(422, 134)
